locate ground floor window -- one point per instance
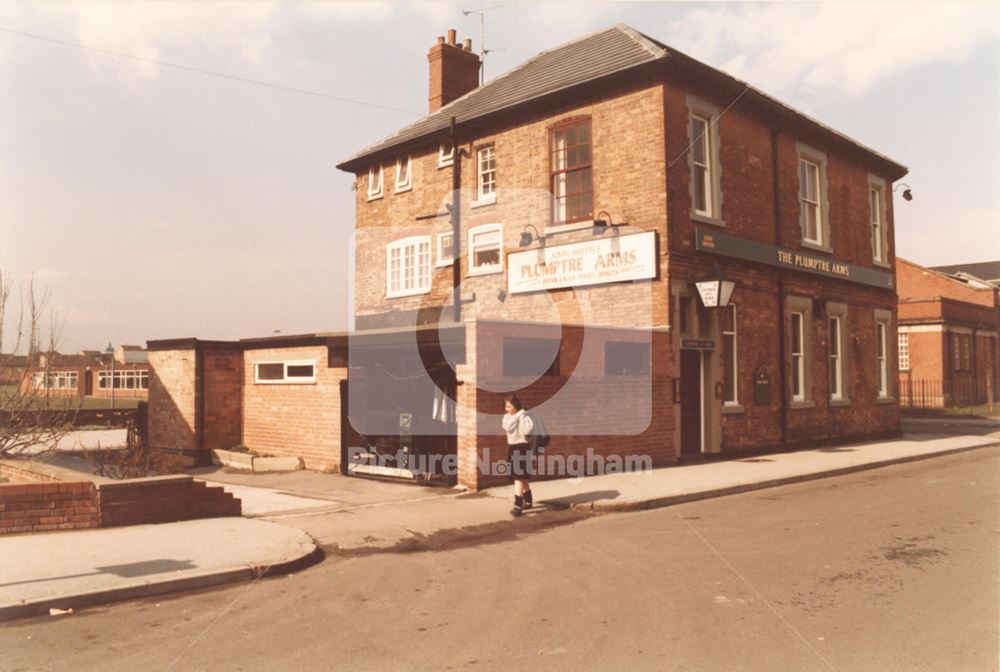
(798, 369)
(532, 357)
(881, 360)
(626, 359)
(729, 360)
(904, 352)
(127, 379)
(284, 372)
(836, 362)
(56, 380)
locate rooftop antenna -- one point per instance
(482, 37)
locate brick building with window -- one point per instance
(89, 373)
(544, 233)
(949, 337)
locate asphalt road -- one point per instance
(887, 570)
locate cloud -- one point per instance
(845, 48)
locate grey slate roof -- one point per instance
(985, 270)
(603, 53)
(606, 52)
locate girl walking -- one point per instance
(518, 426)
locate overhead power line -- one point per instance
(212, 73)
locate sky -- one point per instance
(163, 202)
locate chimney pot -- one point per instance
(440, 39)
(454, 71)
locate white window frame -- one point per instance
(704, 176)
(56, 380)
(486, 180)
(810, 168)
(490, 268)
(882, 358)
(373, 192)
(708, 114)
(404, 178)
(446, 156)
(878, 217)
(287, 380)
(810, 157)
(835, 357)
(124, 379)
(421, 281)
(734, 332)
(798, 356)
(439, 258)
(903, 347)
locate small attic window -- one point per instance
(374, 182)
(446, 154)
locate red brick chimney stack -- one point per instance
(454, 70)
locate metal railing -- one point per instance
(960, 393)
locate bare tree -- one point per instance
(31, 419)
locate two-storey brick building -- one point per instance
(544, 233)
(697, 174)
(949, 338)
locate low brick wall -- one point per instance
(59, 505)
(36, 474)
(163, 499)
(44, 507)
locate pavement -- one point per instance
(70, 570)
(84, 439)
(291, 519)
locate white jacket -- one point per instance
(518, 427)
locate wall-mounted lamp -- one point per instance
(602, 221)
(526, 237)
(715, 290)
(502, 295)
(907, 194)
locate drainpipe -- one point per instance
(782, 373)
(456, 225)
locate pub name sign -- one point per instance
(590, 262)
(751, 250)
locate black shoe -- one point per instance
(518, 503)
(527, 500)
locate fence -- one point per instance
(968, 394)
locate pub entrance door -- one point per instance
(691, 402)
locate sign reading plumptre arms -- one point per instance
(589, 262)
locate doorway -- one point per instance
(691, 402)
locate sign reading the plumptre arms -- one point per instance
(589, 262)
(750, 250)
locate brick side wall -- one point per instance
(747, 183)
(45, 507)
(223, 373)
(628, 184)
(586, 412)
(300, 420)
(173, 387)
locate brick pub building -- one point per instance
(544, 234)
